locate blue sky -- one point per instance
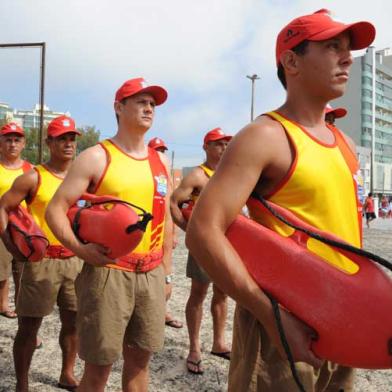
(201, 51)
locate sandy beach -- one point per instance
(168, 371)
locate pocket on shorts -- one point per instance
(34, 272)
(92, 278)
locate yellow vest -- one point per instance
(321, 189)
(48, 183)
(142, 182)
(8, 176)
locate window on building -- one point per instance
(367, 67)
(366, 106)
(366, 80)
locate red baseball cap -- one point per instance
(319, 27)
(156, 143)
(216, 134)
(338, 112)
(12, 128)
(139, 85)
(61, 125)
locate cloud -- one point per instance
(200, 51)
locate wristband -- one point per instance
(168, 278)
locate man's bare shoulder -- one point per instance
(263, 130)
(261, 139)
(95, 153)
(28, 179)
(197, 175)
(91, 158)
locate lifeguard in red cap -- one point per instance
(215, 143)
(158, 144)
(121, 303)
(291, 157)
(332, 114)
(51, 280)
(12, 143)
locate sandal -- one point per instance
(174, 323)
(224, 355)
(9, 314)
(199, 370)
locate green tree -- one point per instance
(30, 153)
(90, 137)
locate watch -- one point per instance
(168, 278)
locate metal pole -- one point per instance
(373, 138)
(41, 103)
(253, 78)
(172, 167)
(41, 45)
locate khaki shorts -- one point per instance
(116, 307)
(5, 262)
(46, 283)
(256, 366)
(194, 271)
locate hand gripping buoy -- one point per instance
(26, 235)
(109, 221)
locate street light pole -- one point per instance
(41, 45)
(253, 78)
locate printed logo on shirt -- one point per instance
(161, 181)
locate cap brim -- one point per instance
(362, 34)
(338, 112)
(60, 133)
(12, 132)
(159, 93)
(214, 139)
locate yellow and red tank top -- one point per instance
(8, 176)
(322, 188)
(143, 182)
(48, 182)
(209, 173)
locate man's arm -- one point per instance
(168, 229)
(23, 187)
(85, 170)
(183, 192)
(250, 154)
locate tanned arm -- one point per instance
(23, 188)
(196, 179)
(250, 155)
(83, 174)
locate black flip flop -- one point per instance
(224, 355)
(67, 387)
(199, 371)
(174, 323)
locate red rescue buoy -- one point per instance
(109, 221)
(26, 235)
(351, 313)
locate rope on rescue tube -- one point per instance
(341, 245)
